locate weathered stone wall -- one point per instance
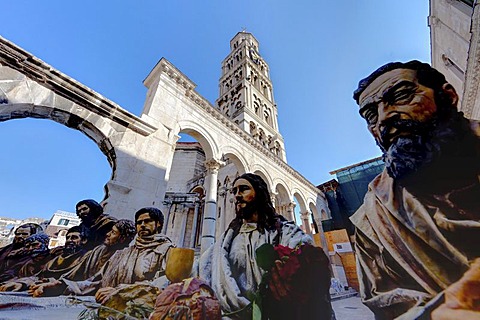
(455, 39)
(188, 163)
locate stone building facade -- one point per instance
(141, 149)
(455, 49)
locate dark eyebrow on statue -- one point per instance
(390, 91)
(364, 108)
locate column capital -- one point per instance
(213, 165)
(305, 215)
(291, 205)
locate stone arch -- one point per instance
(205, 139)
(282, 193)
(70, 120)
(313, 208)
(302, 209)
(264, 177)
(301, 200)
(235, 156)
(283, 202)
(263, 172)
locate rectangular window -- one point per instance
(63, 222)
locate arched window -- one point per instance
(256, 107)
(324, 215)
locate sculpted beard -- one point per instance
(247, 211)
(18, 243)
(426, 143)
(407, 154)
(71, 248)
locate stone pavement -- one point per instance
(351, 309)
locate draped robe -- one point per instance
(90, 264)
(230, 266)
(142, 261)
(54, 268)
(408, 252)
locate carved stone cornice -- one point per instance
(166, 67)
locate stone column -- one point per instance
(281, 208)
(306, 222)
(210, 212)
(291, 211)
(194, 224)
(183, 227)
(273, 197)
(166, 219)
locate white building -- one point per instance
(58, 226)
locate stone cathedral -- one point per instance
(189, 181)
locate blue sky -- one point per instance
(317, 50)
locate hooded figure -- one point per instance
(98, 223)
(30, 259)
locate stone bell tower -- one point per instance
(246, 93)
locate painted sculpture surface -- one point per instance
(417, 232)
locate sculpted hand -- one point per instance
(104, 294)
(37, 290)
(462, 299)
(11, 286)
(278, 287)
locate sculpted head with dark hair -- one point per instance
(149, 221)
(411, 111)
(426, 201)
(37, 243)
(34, 247)
(76, 239)
(92, 216)
(24, 231)
(88, 211)
(21, 233)
(125, 229)
(121, 235)
(253, 203)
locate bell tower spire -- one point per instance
(246, 93)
